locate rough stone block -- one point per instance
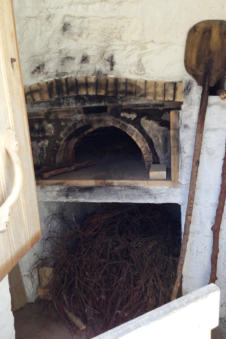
(159, 91)
(179, 95)
(35, 92)
(157, 172)
(28, 97)
(60, 87)
(44, 90)
(101, 86)
(111, 87)
(150, 90)
(71, 86)
(91, 85)
(140, 88)
(82, 88)
(52, 89)
(169, 91)
(121, 87)
(131, 87)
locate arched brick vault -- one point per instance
(74, 133)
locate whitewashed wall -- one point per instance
(137, 39)
(143, 38)
(6, 317)
(197, 264)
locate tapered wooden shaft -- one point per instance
(192, 187)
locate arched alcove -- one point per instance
(128, 157)
(114, 153)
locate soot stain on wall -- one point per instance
(66, 27)
(188, 87)
(39, 69)
(111, 62)
(67, 59)
(84, 59)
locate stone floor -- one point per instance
(39, 321)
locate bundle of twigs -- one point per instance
(114, 266)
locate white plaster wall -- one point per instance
(197, 264)
(6, 317)
(145, 38)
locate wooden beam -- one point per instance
(174, 145)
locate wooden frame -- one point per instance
(19, 217)
(174, 145)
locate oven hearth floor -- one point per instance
(111, 168)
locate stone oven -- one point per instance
(105, 84)
(52, 117)
(128, 128)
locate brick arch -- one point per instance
(107, 87)
(65, 153)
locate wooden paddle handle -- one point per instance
(192, 187)
(11, 148)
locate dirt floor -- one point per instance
(39, 321)
(220, 332)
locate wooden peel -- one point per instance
(205, 52)
(205, 60)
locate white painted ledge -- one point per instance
(191, 316)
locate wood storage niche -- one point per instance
(101, 265)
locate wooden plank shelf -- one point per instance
(88, 183)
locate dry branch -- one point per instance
(217, 224)
(51, 173)
(76, 320)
